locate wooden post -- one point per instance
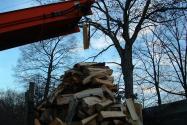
(30, 104)
(26, 108)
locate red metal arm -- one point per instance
(38, 23)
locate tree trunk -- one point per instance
(186, 93)
(48, 81)
(185, 89)
(127, 70)
(158, 94)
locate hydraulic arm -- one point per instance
(34, 24)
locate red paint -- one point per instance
(39, 23)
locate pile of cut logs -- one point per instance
(86, 96)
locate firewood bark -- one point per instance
(88, 119)
(86, 96)
(89, 103)
(109, 93)
(131, 108)
(107, 83)
(57, 121)
(89, 78)
(64, 99)
(112, 114)
(103, 104)
(36, 122)
(89, 92)
(107, 71)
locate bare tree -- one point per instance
(151, 58)
(174, 41)
(45, 61)
(12, 107)
(126, 19)
(163, 60)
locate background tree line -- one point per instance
(12, 107)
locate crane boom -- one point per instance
(29, 25)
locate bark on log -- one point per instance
(112, 114)
(103, 104)
(36, 122)
(89, 92)
(88, 119)
(64, 99)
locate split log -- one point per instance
(107, 83)
(56, 93)
(81, 114)
(138, 108)
(88, 104)
(71, 110)
(112, 114)
(105, 70)
(131, 108)
(74, 123)
(89, 78)
(118, 107)
(39, 107)
(92, 122)
(36, 122)
(89, 92)
(57, 121)
(73, 72)
(105, 122)
(110, 78)
(91, 101)
(119, 122)
(109, 93)
(88, 64)
(103, 104)
(64, 99)
(37, 114)
(88, 119)
(46, 116)
(76, 79)
(72, 77)
(134, 116)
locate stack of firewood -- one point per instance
(86, 96)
